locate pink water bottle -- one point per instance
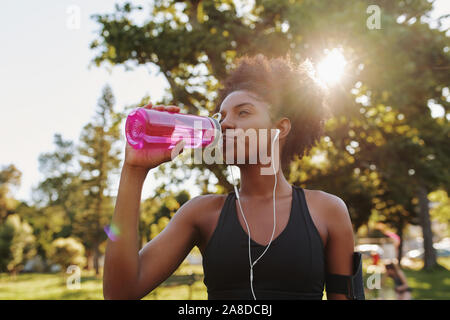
(148, 128)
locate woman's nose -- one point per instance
(226, 124)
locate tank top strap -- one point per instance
(225, 214)
(222, 223)
(306, 216)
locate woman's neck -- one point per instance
(257, 185)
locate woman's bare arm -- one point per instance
(131, 273)
(161, 256)
(121, 267)
(340, 242)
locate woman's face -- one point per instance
(244, 110)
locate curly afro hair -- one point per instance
(291, 91)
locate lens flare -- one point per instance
(112, 231)
(331, 68)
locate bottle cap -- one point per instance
(135, 128)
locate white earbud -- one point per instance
(218, 115)
(245, 220)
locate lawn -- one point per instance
(426, 285)
(42, 286)
(434, 285)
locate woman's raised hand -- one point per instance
(147, 159)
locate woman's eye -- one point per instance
(243, 112)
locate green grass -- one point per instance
(39, 286)
(426, 285)
(430, 285)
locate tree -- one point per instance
(441, 209)
(406, 156)
(156, 211)
(99, 157)
(57, 197)
(9, 177)
(17, 244)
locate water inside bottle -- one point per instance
(162, 131)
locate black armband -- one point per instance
(352, 286)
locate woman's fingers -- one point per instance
(160, 107)
(173, 108)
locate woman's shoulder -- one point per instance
(205, 204)
(328, 207)
(208, 199)
(326, 198)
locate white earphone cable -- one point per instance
(245, 220)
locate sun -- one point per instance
(331, 69)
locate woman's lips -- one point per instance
(231, 141)
(225, 138)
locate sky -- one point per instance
(47, 86)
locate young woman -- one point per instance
(313, 235)
(401, 284)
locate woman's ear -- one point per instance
(284, 125)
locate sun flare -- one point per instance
(331, 68)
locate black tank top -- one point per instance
(292, 268)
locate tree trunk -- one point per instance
(429, 258)
(90, 260)
(96, 258)
(400, 245)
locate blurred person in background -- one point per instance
(401, 284)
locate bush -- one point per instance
(17, 244)
(66, 252)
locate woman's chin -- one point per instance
(231, 158)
